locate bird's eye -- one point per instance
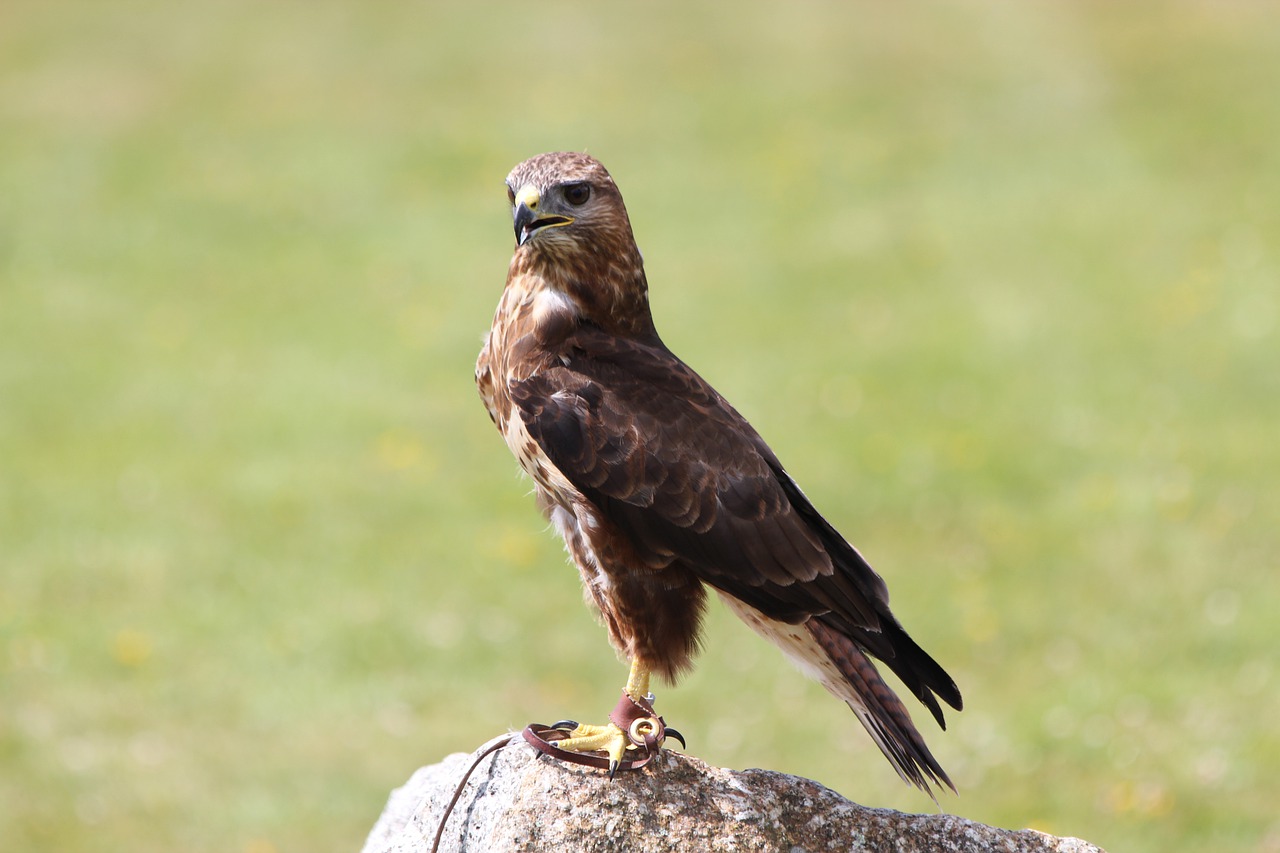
(511, 195)
(577, 194)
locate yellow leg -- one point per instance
(608, 738)
(637, 681)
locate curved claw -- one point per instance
(633, 727)
(673, 733)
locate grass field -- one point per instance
(999, 282)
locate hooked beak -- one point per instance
(527, 218)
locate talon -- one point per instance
(609, 739)
(632, 737)
(676, 734)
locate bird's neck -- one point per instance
(565, 290)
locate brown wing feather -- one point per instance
(671, 464)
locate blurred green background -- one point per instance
(1000, 282)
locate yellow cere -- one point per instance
(528, 195)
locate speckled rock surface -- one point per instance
(517, 802)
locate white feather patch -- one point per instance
(550, 302)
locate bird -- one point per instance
(661, 490)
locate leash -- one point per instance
(635, 716)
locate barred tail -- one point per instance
(878, 709)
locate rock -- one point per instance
(517, 801)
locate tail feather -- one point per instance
(879, 710)
(921, 674)
(837, 661)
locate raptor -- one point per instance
(661, 490)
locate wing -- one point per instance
(672, 465)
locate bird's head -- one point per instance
(572, 230)
(564, 199)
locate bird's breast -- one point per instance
(536, 463)
(511, 354)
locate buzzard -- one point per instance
(661, 489)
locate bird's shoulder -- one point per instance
(625, 397)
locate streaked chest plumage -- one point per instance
(512, 354)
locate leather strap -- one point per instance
(635, 716)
